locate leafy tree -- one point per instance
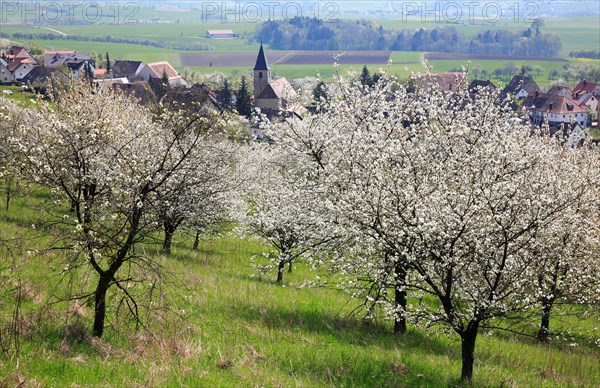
(225, 94)
(102, 152)
(199, 194)
(108, 66)
(244, 103)
(164, 83)
(276, 208)
(386, 170)
(537, 25)
(365, 77)
(320, 92)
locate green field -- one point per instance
(577, 34)
(229, 328)
(582, 33)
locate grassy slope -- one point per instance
(241, 330)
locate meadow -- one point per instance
(228, 327)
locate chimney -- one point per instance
(584, 82)
(551, 105)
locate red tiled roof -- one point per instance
(160, 68)
(445, 81)
(552, 103)
(280, 88)
(585, 86)
(17, 62)
(59, 52)
(559, 88)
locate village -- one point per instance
(574, 110)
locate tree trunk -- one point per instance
(100, 305)
(8, 193)
(168, 239)
(196, 241)
(545, 324)
(400, 299)
(290, 266)
(468, 338)
(280, 271)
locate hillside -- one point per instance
(228, 327)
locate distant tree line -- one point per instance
(591, 54)
(108, 39)
(303, 33)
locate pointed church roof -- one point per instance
(261, 60)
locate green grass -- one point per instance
(241, 330)
(23, 98)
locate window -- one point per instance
(260, 75)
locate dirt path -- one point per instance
(53, 30)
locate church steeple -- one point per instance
(261, 60)
(262, 72)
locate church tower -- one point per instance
(262, 73)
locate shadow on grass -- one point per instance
(339, 338)
(349, 330)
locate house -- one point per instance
(574, 135)
(110, 82)
(199, 98)
(584, 87)
(78, 67)
(39, 77)
(14, 53)
(15, 63)
(589, 102)
(221, 34)
(520, 87)
(54, 58)
(141, 90)
(5, 76)
(557, 109)
(561, 91)
(19, 68)
(272, 95)
(158, 70)
(127, 69)
(588, 93)
(59, 58)
(446, 82)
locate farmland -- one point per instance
(284, 58)
(235, 56)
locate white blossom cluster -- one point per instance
(118, 173)
(435, 197)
